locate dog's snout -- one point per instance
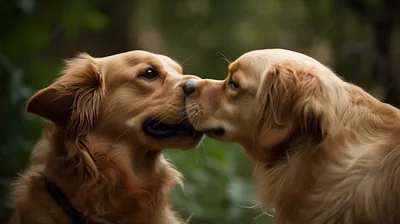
(189, 87)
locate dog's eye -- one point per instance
(149, 74)
(233, 84)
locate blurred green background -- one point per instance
(359, 39)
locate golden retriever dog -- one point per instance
(100, 159)
(324, 150)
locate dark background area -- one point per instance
(359, 40)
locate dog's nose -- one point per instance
(189, 87)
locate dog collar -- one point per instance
(55, 192)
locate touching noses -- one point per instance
(189, 87)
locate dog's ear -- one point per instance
(296, 96)
(73, 100)
(312, 105)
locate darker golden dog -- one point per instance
(101, 157)
(324, 150)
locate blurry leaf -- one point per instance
(15, 85)
(27, 5)
(240, 192)
(80, 15)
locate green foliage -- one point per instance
(216, 187)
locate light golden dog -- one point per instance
(101, 158)
(324, 150)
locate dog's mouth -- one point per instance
(219, 131)
(158, 129)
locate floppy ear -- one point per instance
(297, 96)
(73, 100)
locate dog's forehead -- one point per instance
(260, 60)
(247, 66)
(120, 67)
(138, 56)
(168, 63)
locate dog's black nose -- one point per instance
(189, 87)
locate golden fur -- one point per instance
(324, 150)
(94, 148)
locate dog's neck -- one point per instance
(305, 177)
(281, 178)
(129, 183)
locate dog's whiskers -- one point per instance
(204, 148)
(259, 216)
(191, 108)
(122, 134)
(225, 57)
(200, 115)
(165, 118)
(187, 59)
(158, 115)
(248, 207)
(198, 157)
(183, 113)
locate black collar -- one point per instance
(75, 216)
